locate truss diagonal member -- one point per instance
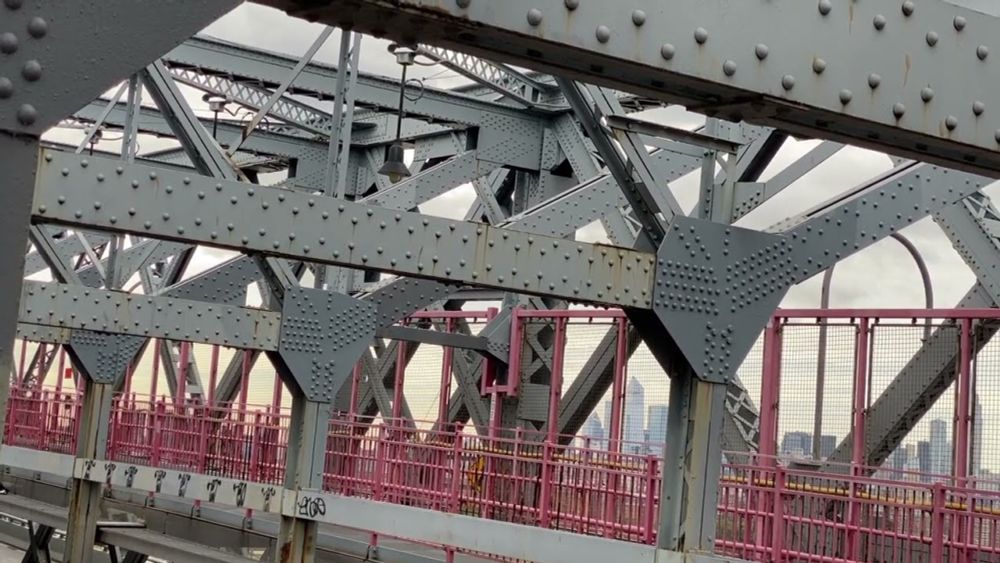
(652, 203)
(724, 58)
(201, 148)
(500, 78)
(165, 204)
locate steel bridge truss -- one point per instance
(341, 255)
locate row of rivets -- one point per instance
(668, 51)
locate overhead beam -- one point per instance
(914, 80)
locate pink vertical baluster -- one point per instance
(21, 361)
(41, 368)
(213, 375)
(555, 382)
(447, 356)
(156, 368)
(858, 450)
(352, 409)
(961, 439)
(182, 372)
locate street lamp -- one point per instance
(394, 166)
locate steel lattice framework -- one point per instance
(547, 153)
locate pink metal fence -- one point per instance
(769, 509)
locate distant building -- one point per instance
(634, 431)
(827, 445)
(657, 421)
(924, 459)
(796, 444)
(592, 433)
(940, 450)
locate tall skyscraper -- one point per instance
(940, 462)
(633, 431)
(657, 421)
(924, 459)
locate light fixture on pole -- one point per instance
(395, 168)
(216, 104)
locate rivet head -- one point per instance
(982, 52)
(6, 88)
(38, 27)
(27, 114)
(463, 3)
(978, 108)
(667, 51)
(996, 136)
(819, 65)
(572, 4)
(638, 18)
(874, 79)
(534, 16)
(825, 6)
(951, 122)
(959, 23)
(13, 4)
(603, 33)
(701, 35)
(846, 96)
(761, 51)
(788, 82)
(926, 94)
(729, 67)
(8, 43)
(898, 109)
(32, 70)
(932, 38)
(908, 8)
(879, 22)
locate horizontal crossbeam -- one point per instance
(150, 202)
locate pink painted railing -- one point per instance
(767, 511)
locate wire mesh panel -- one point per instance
(816, 382)
(984, 455)
(927, 447)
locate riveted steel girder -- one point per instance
(227, 214)
(914, 80)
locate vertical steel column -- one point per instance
(85, 495)
(18, 159)
(692, 464)
(556, 378)
(352, 409)
(213, 375)
(303, 470)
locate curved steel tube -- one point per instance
(824, 303)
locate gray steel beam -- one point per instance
(201, 210)
(723, 58)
